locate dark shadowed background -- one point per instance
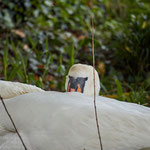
(41, 39)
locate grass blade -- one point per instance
(5, 59)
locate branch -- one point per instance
(95, 108)
(13, 124)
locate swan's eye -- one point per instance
(76, 84)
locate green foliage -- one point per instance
(134, 53)
(5, 59)
(40, 40)
(119, 90)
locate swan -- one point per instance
(79, 79)
(59, 121)
(75, 78)
(10, 89)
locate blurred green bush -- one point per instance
(40, 40)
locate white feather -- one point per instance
(66, 121)
(10, 89)
(82, 70)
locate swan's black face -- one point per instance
(76, 84)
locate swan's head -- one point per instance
(80, 79)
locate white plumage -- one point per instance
(10, 89)
(59, 121)
(81, 70)
(66, 121)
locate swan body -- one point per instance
(61, 121)
(10, 89)
(66, 121)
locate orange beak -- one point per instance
(68, 88)
(76, 84)
(79, 88)
(73, 90)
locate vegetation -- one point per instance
(40, 40)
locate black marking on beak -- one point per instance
(76, 84)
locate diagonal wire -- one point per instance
(13, 124)
(95, 108)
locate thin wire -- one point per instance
(95, 108)
(13, 124)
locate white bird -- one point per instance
(66, 121)
(10, 89)
(80, 79)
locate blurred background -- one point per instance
(41, 39)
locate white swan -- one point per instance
(76, 77)
(10, 89)
(66, 121)
(80, 79)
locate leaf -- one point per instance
(5, 59)
(119, 90)
(14, 71)
(19, 33)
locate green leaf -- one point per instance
(119, 90)
(5, 58)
